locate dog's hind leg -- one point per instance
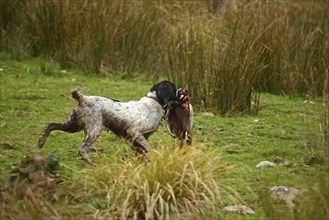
(50, 127)
(92, 133)
(72, 125)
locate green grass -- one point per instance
(225, 152)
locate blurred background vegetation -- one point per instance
(225, 51)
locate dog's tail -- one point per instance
(77, 94)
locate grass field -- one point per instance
(221, 163)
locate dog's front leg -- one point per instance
(140, 144)
(92, 133)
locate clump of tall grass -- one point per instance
(253, 46)
(271, 46)
(94, 35)
(297, 43)
(176, 185)
(220, 59)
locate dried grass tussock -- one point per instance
(176, 185)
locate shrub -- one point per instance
(176, 185)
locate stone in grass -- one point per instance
(240, 209)
(284, 194)
(265, 164)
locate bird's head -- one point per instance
(181, 94)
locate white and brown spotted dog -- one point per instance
(134, 120)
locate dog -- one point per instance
(133, 120)
(179, 118)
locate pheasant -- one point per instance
(179, 118)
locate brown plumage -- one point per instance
(179, 118)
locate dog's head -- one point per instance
(164, 91)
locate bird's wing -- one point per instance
(190, 121)
(168, 122)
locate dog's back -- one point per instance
(144, 115)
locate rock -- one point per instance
(265, 164)
(240, 209)
(207, 114)
(284, 194)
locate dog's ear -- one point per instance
(165, 92)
